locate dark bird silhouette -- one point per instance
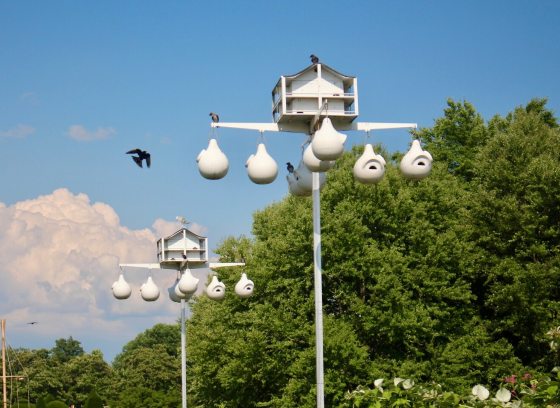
(184, 256)
(290, 167)
(215, 117)
(314, 59)
(142, 155)
(32, 322)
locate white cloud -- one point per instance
(59, 255)
(80, 133)
(18, 132)
(29, 98)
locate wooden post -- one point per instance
(4, 398)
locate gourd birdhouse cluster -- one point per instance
(183, 251)
(320, 102)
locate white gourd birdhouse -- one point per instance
(213, 164)
(121, 288)
(182, 247)
(370, 167)
(216, 290)
(175, 294)
(261, 167)
(300, 182)
(188, 283)
(313, 163)
(149, 290)
(244, 287)
(328, 143)
(416, 163)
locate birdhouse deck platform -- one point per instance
(183, 245)
(299, 98)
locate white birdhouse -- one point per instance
(416, 163)
(298, 98)
(213, 164)
(261, 167)
(180, 247)
(370, 167)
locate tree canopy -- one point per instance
(451, 280)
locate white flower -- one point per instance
(378, 383)
(480, 392)
(398, 380)
(503, 395)
(408, 384)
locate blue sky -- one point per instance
(146, 74)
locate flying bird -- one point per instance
(290, 167)
(314, 59)
(142, 155)
(215, 117)
(32, 322)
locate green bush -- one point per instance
(524, 390)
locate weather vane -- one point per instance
(184, 222)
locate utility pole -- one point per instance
(4, 398)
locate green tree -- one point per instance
(149, 364)
(65, 349)
(57, 404)
(233, 249)
(166, 335)
(85, 373)
(94, 400)
(516, 221)
(456, 137)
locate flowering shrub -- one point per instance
(516, 391)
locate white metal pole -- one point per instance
(318, 289)
(183, 356)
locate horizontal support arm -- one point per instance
(367, 126)
(144, 265)
(261, 127)
(211, 265)
(214, 265)
(302, 128)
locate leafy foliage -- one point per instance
(450, 282)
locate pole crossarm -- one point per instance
(367, 126)
(211, 265)
(214, 265)
(142, 265)
(261, 127)
(301, 128)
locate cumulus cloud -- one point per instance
(18, 132)
(29, 98)
(59, 255)
(80, 133)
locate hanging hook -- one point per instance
(212, 133)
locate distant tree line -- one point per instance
(452, 280)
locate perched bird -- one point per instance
(142, 155)
(314, 59)
(215, 117)
(290, 167)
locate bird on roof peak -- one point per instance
(314, 59)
